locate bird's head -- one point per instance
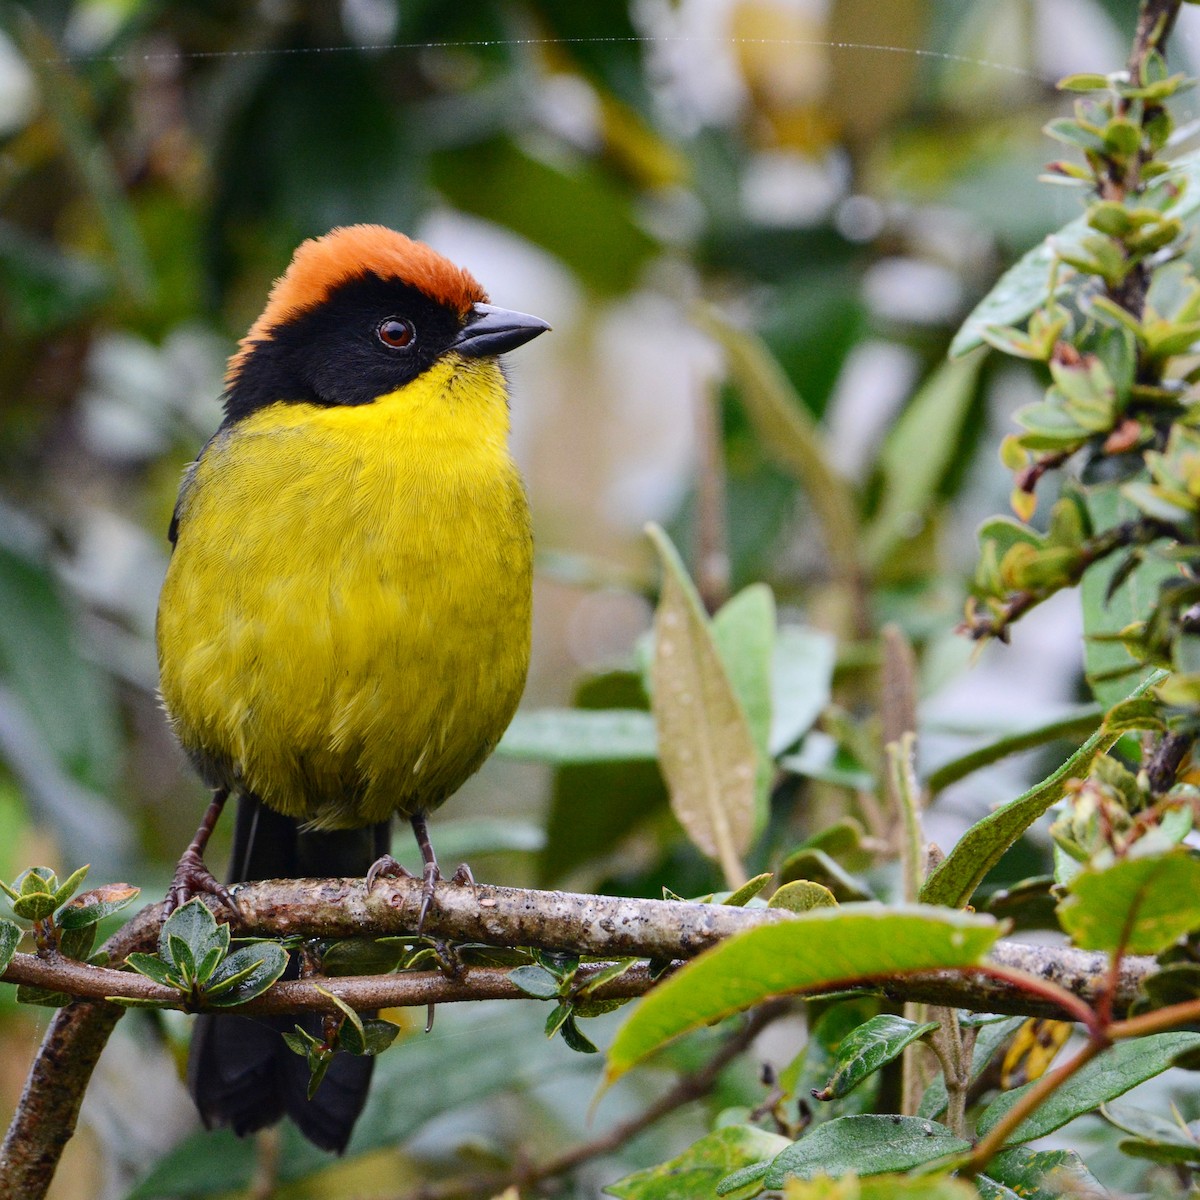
(360, 313)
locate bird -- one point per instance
(344, 627)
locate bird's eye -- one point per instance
(395, 332)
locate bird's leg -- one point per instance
(431, 874)
(388, 868)
(192, 877)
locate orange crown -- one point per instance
(351, 252)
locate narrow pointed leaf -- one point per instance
(1106, 1077)
(742, 896)
(266, 962)
(10, 939)
(64, 892)
(871, 1046)
(822, 948)
(954, 880)
(706, 748)
(917, 454)
(744, 634)
(153, 968)
(790, 437)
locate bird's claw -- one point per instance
(193, 878)
(386, 867)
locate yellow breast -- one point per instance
(344, 626)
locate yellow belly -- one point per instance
(344, 626)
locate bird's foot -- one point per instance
(193, 878)
(463, 878)
(386, 867)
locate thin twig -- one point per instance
(687, 1089)
(1029, 1103)
(1030, 980)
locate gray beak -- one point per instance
(490, 330)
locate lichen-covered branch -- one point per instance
(593, 926)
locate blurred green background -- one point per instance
(844, 177)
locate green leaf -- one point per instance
(180, 954)
(10, 939)
(1080, 722)
(535, 981)
(208, 964)
(823, 948)
(743, 895)
(809, 1071)
(63, 893)
(43, 998)
(696, 1171)
(1109, 1075)
(153, 968)
(918, 453)
(870, 1047)
(801, 680)
(557, 1018)
(1044, 1174)
(890, 1187)
(954, 880)
(1105, 615)
(1160, 1138)
(94, 906)
(363, 956)
(1083, 82)
(790, 437)
(575, 1038)
(368, 1036)
(246, 973)
(744, 633)
(576, 735)
(613, 971)
(866, 1145)
(802, 895)
(815, 866)
(194, 927)
(36, 906)
(1140, 904)
(706, 747)
(1026, 285)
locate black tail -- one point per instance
(240, 1071)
